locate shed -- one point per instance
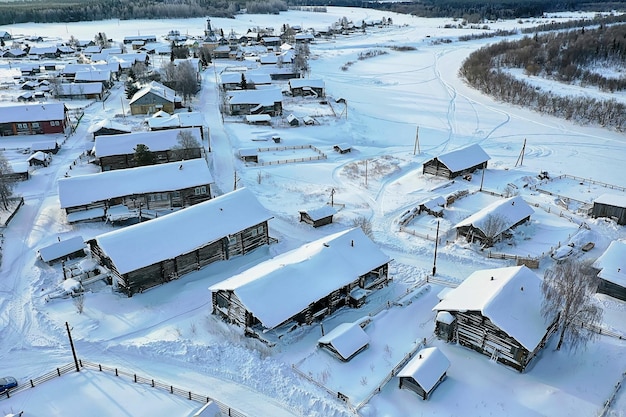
(497, 312)
(304, 284)
(458, 162)
(259, 119)
(491, 223)
(63, 250)
(49, 146)
(249, 154)
(319, 216)
(108, 127)
(18, 172)
(611, 266)
(345, 341)
(424, 372)
(342, 148)
(39, 158)
(612, 206)
(433, 206)
(293, 120)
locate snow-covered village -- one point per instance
(312, 213)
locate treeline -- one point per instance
(564, 57)
(75, 11)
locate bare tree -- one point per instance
(79, 302)
(492, 227)
(186, 79)
(568, 288)
(7, 183)
(187, 146)
(365, 224)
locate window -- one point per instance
(55, 123)
(22, 125)
(35, 125)
(200, 190)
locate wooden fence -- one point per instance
(321, 155)
(132, 377)
(609, 402)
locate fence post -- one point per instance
(190, 395)
(58, 371)
(153, 383)
(135, 377)
(32, 384)
(100, 367)
(171, 389)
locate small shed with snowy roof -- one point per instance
(497, 312)
(302, 285)
(151, 253)
(345, 341)
(63, 250)
(319, 216)
(490, 224)
(108, 127)
(612, 270)
(424, 372)
(458, 162)
(612, 206)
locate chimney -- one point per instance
(420, 356)
(492, 278)
(352, 243)
(521, 288)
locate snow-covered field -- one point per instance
(169, 333)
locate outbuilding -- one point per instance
(458, 162)
(67, 249)
(424, 372)
(611, 266)
(612, 206)
(345, 341)
(319, 216)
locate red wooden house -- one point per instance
(33, 119)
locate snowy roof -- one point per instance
(157, 89)
(61, 248)
(510, 297)
(612, 263)
(616, 200)
(251, 118)
(320, 212)
(74, 89)
(97, 75)
(19, 167)
(464, 158)
(306, 82)
(426, 368)
(124, 144)
(39, 156)
(266, 97)
(142, 244)
(86, 189)
(509, 210)
(268, 59)
(434, 203)
(186, 119)
(251, 77)
(273, 291)
(32, 112)
(108, 124)
(45, 145)
(346, 339)
(248, 152)
(210, 409)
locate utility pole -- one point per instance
(417, 141)
(123, 111)
(366, 173)
(482, 178)
(69, 334)
(436, 244)
(332, 199)
(235, 182)
(520, 158)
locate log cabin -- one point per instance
(33, 119)
(67, 249)
(611, 267)
(612, 206)
(492, 223)
(155, 188)
(458, 162)
(152, 253)
(303, 285)
(497, 312)
(319, 216)
(345, 341)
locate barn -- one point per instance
(108, 127)
(118, 151)
(612, 206)
(496, 312)
(178, 121)
(80, 91)
(33, 119)
(611, 266)
(153, 188)
(152, 253)
(458, 162)
(424, 372)
(345, 341)
(303, 285)
(493, 222)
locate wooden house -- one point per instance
(18, 172)
(143, 38)
(266, 101)
(307, 87)
(153, 189)
(319, 216)
(458, 162)
(424, 372)
(611, 266)
(80, 91)
(151, 253)
(101, 76)
(178, 121)
(303, 285)
(63, 250)
(33, 119)
(345, 341)
(342, 148)
(249, 155)
(108, 127)
(118, 151)
(497, 312)
(154, 97)
(612, 206)
(492, 223)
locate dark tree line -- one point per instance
(564, 57)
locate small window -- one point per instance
(55, 123)
(35, 125)
(200, 190)
(22, 125)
